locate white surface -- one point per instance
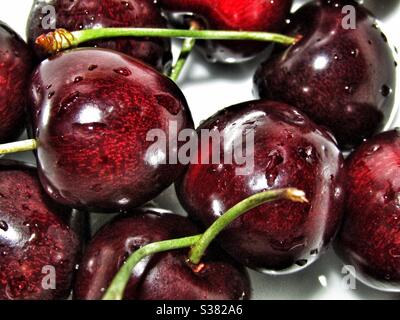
(209, 88)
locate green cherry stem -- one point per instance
(62, 39)
(198, 243)
(19, 146)
(187, 47)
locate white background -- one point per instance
(209, 88)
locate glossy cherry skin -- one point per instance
(15, 68)
(35, 234)
(165, 276)
(289, 151)
(92, 112)
(342, 79)
(370, 237)
(246, 15)
(88, 14)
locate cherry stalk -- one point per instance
(62, 39)
(197, 243)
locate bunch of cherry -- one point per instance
(323, 90)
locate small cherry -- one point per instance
(341, 78)
(238, 15)
(164, 276)
(289, 151)
(92, 113)
(370, 236)
(38, 247)
(88, 14)
(15, 68)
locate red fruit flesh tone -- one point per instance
(164, 276)
(35, 237)
(92, 112)
(239, 15)
(15, 68)
(370, 237)
(289, 151)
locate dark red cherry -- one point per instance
(341, 78)
(289, 151)
(165, 276)
(93, 110)
(370, 238)
(239, 15)
(15, 68)
(38, 249)
(87, 14)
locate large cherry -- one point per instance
(15, 68)
(342, 78)
(38, 248)
(93, 112)
(87, 14)
(370, 237)
(165, 276)
(246, 15)
(289, 151)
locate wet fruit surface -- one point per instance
(370, 238)
(165, 276)
(247, 15)
(342, 78)
(289, 151)
(93, 112)
(88, 14)
(15, 68)
(38, 250)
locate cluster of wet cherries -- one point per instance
(323, 90)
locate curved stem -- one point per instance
(19, 146)
(238, 210)
(199, 243)
(187, 47)
(62, 39)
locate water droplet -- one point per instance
(355, 52)
(274, 159)
(3, 225)
(373, 149)
(307, 154)
(123, 71)
(92, 67)
(78, 79)
(302, 262)
(348, 89)
(395, 252)
(385, 90)
(49, 86)
(169, 103)
(66, 103)
(384, 37)
(51, 94)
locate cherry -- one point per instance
(36, 241)
(289, 151)
(87, 14)
(342, 78)
(165, 276)
(92, 112)
(248, 15)
(15, 68)
(370, 237)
